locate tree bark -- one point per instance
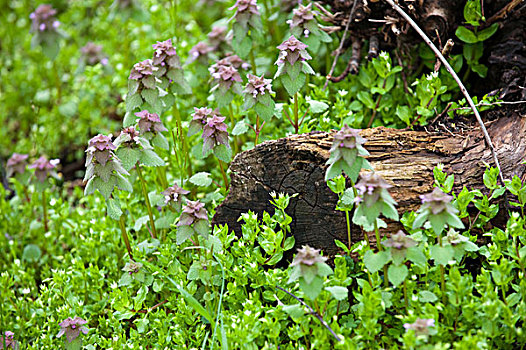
(406, 159)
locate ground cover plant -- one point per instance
(120, 119)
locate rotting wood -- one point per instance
(404, 158)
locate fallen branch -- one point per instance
(457, 79)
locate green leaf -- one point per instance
(485, 34)
(425, 296)
(114, 209)
(416, 255)
(480, 69)
(295, 310)
(466, 35)
(339, 293)
(183, 233)
(160, 141)
(264, 111)
(441, 255)
(140, 222)
(293, 86)
(32, 253)
(223, 153)
(366, 99)
(317, 106)
(128, 156)
(375, 262)
(129, 119)
(313, 289)
(240, 128)
(68, 109)
(150, 96)
(132, 102)
(397, 274)
(201, 179)
(150, 158)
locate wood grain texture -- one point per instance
(406, 159)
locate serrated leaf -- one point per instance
(416, 255)
(201, 179)
(160, 141)
(128, 156)
(293, 86)
(150, 96)
(375, 262)
(223, 153)
(425, 296)
(140, 222)
(133, 101)
(313, 289)
(397, 274)
(240, 128)
(183, 233)
(129, 119)
(317, 106)
(339, 293)
(150, 158)
(441, 255)
(123, 183)
(114, 209)
(264, 111)
(105, 188)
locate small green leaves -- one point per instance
(397, 274)
(201, 179)
(374, 262)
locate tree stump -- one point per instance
(406, 159)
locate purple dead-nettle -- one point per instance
(217, 37)
(309, 267)
(170, 70)
(193, 220)
(10, 342)
(292, 64)
(149, 122)
(103, 168)
(421, 326)
(246, 26)
(132, 267)
(257, 95)
(347, 154)
(235, 61)
(72, 327)
(173, 196)
(303, 25)
(215, 133)
(142, 70)
(43, 167)
(438, 210)
(92, 54)
(373, 199)
(199, 118)
(399, 243)
(200, 52)
(226, 83)
(43, 19)
(165, 54)
(16, 164)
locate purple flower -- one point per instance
(101, 148)
(163, 51)
(301, 16)
(215, 133)
(43, 19)
(399, 241)
(371, 188)
(217, 36)
(149, 122)
(225, 75)
(245, 9)
(257, 86)
(201, 49)
(92, 54)
(16, 164)
(437, 202)
(292, 50)
(142, 69)
(234, 61)
(193, 211)
(420, 326)
(347, 138)
(308, 256)
(42, 167)
(7, 338)
(72, 328)
(199, 118)
(132, 267)
(174, 195)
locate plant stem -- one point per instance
(253, 61)
(233, 123)
(296, 122)
(405, 297)
(257, 130)
(125, 236)
(225, 179)
(44, 208)
(442, 276)
(380, 248)
(348, 229)
(148, 206)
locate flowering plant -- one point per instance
(292, 64)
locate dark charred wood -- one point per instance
(404, 158)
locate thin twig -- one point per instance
(457, 79)
(338, 51)
(312, 312)
(492, 104)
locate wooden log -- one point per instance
(406, 159)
